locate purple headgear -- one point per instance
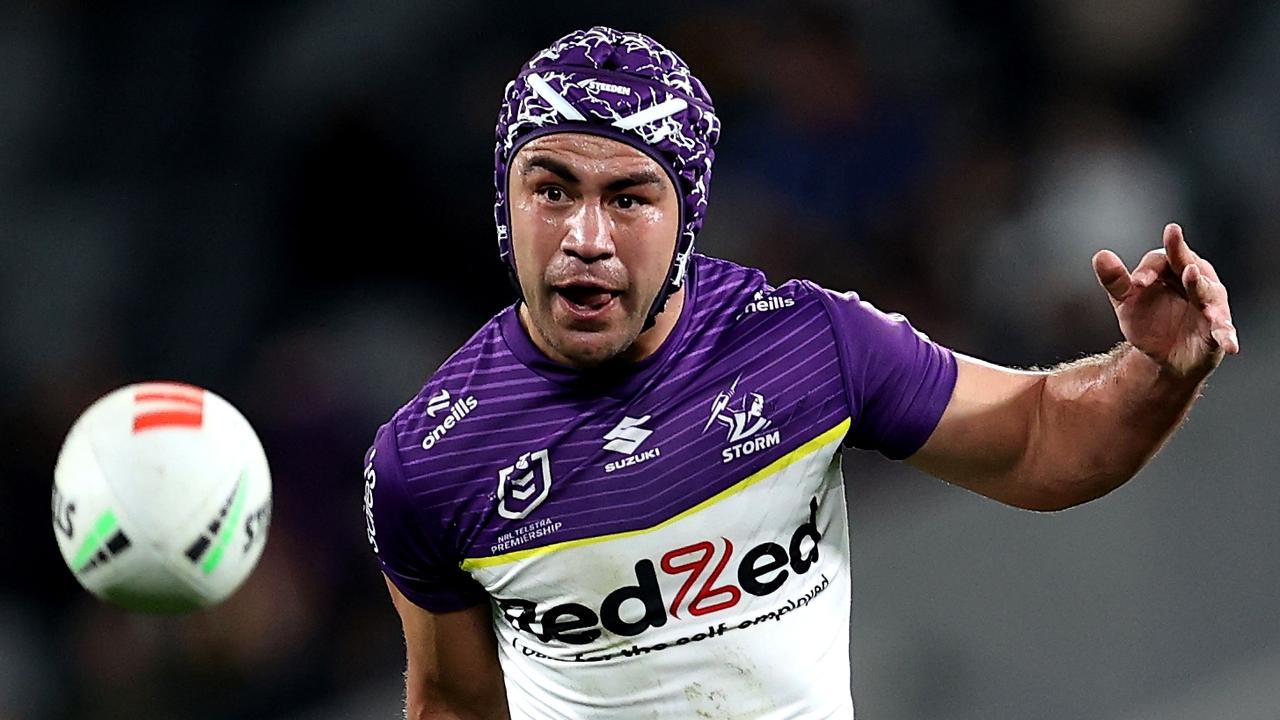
(619, 85)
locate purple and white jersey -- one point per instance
(669, 541)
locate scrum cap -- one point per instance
(624, 86)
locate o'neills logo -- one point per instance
(760, 303)
(459, 410)
(632, 609)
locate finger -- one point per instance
(1112, 274)
(1199, 291)
(1227, 340)
(1207, 269)
(1204, 292)
(1211, 298)
(1176, 248)
(1150, 268)
(1181, 255)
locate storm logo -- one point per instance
(744, 422)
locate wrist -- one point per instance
(1165, 375)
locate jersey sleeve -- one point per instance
(414, 557)
(898, 381)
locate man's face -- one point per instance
(593, 228)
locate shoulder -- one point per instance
(445, 407)
(716, 275)
(734, 295)
(732, 298)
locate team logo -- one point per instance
(625, 438)
(744, 421)
(523, 486)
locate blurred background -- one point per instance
(290, 204)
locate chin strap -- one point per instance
(675, 281)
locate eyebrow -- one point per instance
(555, 167)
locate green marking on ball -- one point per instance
(229, 527)
(97, 537)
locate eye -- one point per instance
(627, 202)
(553, 193)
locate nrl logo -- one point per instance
(523, 486)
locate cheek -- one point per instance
(659, 231)
(534, 238)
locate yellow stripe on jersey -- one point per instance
(808, 448)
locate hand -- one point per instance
(1172, 307)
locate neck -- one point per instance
(648, 342)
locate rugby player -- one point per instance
(622, 498)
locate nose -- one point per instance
(589, 234)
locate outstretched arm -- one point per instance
(1050, 440)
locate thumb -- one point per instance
(1112, 274)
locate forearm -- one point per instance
(417, 712)
(430, 699)
(1097, 421)
(431, 693)
(447, 711)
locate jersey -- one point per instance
(669, 539)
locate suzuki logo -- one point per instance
(523, 486)
(627, 435)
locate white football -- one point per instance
(161, 498)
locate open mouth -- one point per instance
(585, 297)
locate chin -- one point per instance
(589, 345)
(592, 348)
(586, 353)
